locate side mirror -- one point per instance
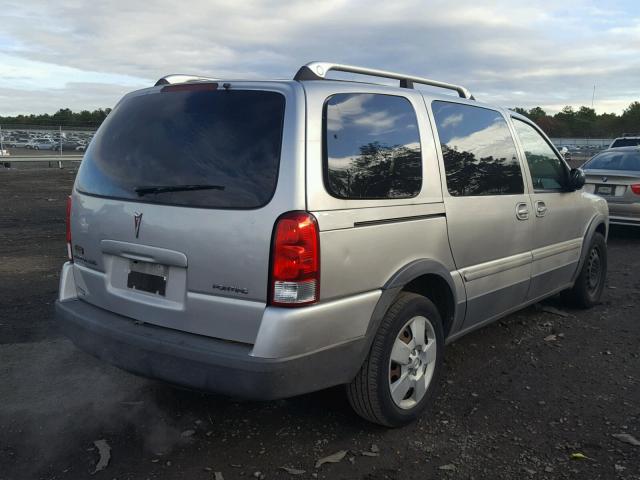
(577, 179)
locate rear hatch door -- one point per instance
(175, 201)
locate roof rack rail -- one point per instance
(319, 70)
(631, 134)
(181, 78)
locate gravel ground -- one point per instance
(535, 395)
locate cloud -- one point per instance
(514, 53)
(452, 120)
(78, 96)
(350, 107)
(377, 122)
(492, 140)
(33, 75)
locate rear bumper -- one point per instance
(204, 363)
(624, 213)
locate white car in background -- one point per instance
(626, 140)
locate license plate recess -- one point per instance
(148, 277)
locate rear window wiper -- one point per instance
(141, 191)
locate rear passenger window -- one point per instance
(372, 147)
(479, 153)
(547, 170)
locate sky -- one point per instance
(85, 54)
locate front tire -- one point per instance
(589, 285)
(398, 380)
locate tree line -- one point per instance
(379, 171)
(63, 117)
(585, 122)
(569, 122)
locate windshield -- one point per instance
(192, 147)
(628, 160)
(626, 142)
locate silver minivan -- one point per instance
(265, 239)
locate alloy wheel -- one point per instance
(412, 362)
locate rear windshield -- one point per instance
(195, 146)
(625, 142)
(612, 160)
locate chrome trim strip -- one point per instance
(397, 220)
(349, 218)
(502, 264)
(145, 253)
(556, 248)
(495, 266)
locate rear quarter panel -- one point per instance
(363, 243)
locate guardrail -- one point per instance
(40, 158)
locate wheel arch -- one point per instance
(598, 224)
(426, 277)
(432, 280)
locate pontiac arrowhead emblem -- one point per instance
(137, 221)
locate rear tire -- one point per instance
(400, 376)
(587, 290)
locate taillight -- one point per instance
(190, 87)
(68, 221)
(636, 188)
(295, 261)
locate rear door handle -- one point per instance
(522, 211)
(541, 209)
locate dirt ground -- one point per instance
(515, 401)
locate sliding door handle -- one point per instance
(541, 209)
(522, 211)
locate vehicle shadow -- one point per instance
(330, 407)
(624, 232)
(165, 411)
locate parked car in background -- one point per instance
(41, 144)
(626, 140)
(21, 142)
(342, 235)
(615, 175)
(67, 145)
